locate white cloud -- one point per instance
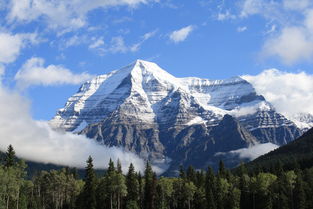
(135, 47)
(252, 152)
(33, 72)
(73, 41)
(118, 45)
(271, 29)
(10, 47)
(255, 151)
(297, 4)
(181, 34)
(291, 45)
(241, 29)
(290, 38)
(97, 43)
(225, 16)
(36, 141)
(251, 109)
(268, 9)
(2, 69)
(61, 14)
(149, 35)
(290, 93)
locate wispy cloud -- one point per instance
(221, 16)
(181, 34)
(96, 43)
(118, 45)
(241, 29)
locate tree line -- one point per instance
(191, 189)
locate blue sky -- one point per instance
(43, 40)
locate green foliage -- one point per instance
(88, 196)
(297, 154)
(60, 189)
(9, 159)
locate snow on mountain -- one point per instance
(303, 120)
(148, 111)
(149, 86)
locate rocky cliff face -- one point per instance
(146, 110)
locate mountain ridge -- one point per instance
(145, 109)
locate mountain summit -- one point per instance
(143, 108)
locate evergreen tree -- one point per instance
(140, 190)
(299, 194)
(89, 190)
(119, 166)
(210, 199)
(148, 201)
(279, 170)
(221, 169)
(132, 185)
(182, 173)
(200, 178)
(245, 197)
(210, 188)
(9, 159)
(153, 190)
(191, 174)
(111, 168)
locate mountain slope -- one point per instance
(146, 110)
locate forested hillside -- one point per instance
(193, 189)
(296, 154)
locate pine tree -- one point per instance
(210, 199)
(148, 201)
(111, 167)
(9, 160)
(119, 166)
(153, 190)
(221, 169)
(299, 194)
(140, 191)
(89, 190)
(210, 188)
(182, 173)
(132, 188)
(191, 174)
(132, 184)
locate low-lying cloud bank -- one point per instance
(251, 153)
(36, 141)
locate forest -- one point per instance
(191, 189)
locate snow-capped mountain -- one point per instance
(148, 111)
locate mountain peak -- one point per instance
(140, 61)
(142, 65)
